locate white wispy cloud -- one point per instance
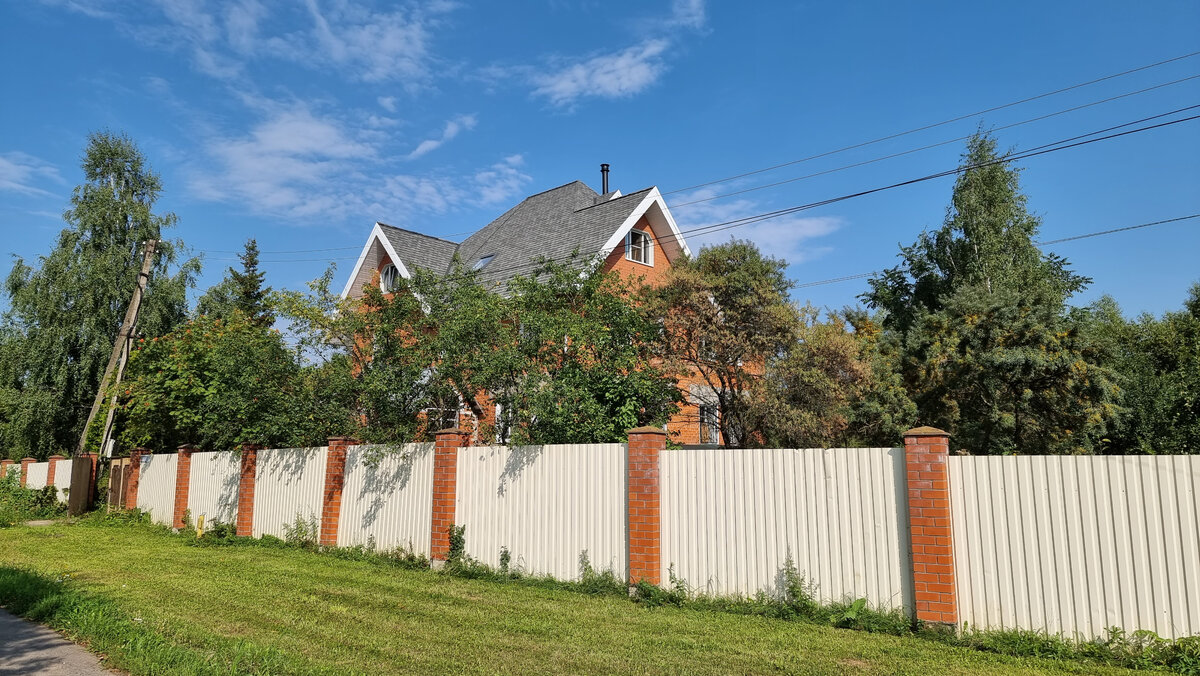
(787, 237)
(497, 184)
(388, 103)
(21, 173)
(617, 75)
(452, 128)
(301, 165)
(688, 14)
(360, 41)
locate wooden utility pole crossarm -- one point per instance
(120, 351)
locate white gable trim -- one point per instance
(654, 197)
(376, 235)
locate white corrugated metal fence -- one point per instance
(1076, 544)
(547, 505)
(36, 474)
(387, 497)
(213, 487)
(731, 518)
(288, 488)
(156, 487)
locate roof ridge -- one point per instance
(616, 199)
(414, 232)
(557, 187)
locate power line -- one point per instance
(933, 145)
(1115, 230)
(336, 248)
(1127, 228)
(936, 124)
(851, 147)
(1055, 146)
(1034, 152)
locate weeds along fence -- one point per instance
(57, 471)
(1066, 545)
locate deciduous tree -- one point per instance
(65, 311)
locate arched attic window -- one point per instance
(389, 278)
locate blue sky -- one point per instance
(303, 123)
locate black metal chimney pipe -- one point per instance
(604, 179)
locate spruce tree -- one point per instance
(250, 294)
(987, 348)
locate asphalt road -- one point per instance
(27, 648)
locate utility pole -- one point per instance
(120, 354)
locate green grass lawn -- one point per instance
(154, 604)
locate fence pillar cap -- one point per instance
(345, 440)
(451, 430)
(249, 446)
(25, 460)
(57, 457)
(188, 447)
(926, 431)
(647, 430)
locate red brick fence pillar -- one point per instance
(135, 472)
(249, 472)
(445, 473)
(183, 480)
(50, 470)
(926, 451)
(25, 463)
(4, 465)
(335, 479)
(642, 518)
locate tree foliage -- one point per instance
(978, 313)
(986, 241)
(214, 383)
(816, 393)
(65, 312)
(1157, 366)
(725, 314)
(560, 356)
(242, 292)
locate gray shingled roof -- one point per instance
(550, 224)
(417, 250)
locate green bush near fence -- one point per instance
(19, 504)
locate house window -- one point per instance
(483, 261)
(710, 431)
(638, 247)
(389, 278)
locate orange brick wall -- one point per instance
(616, 261)
(25, 463)
(926, 451)
(445, 478)
(135, 472)
(183, 479)
(643, 519)
(249, 472)
(331, 497)
(51, 469)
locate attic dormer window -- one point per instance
(479, 264)
(389, 278)
(638, 247)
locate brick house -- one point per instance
(634, 233)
